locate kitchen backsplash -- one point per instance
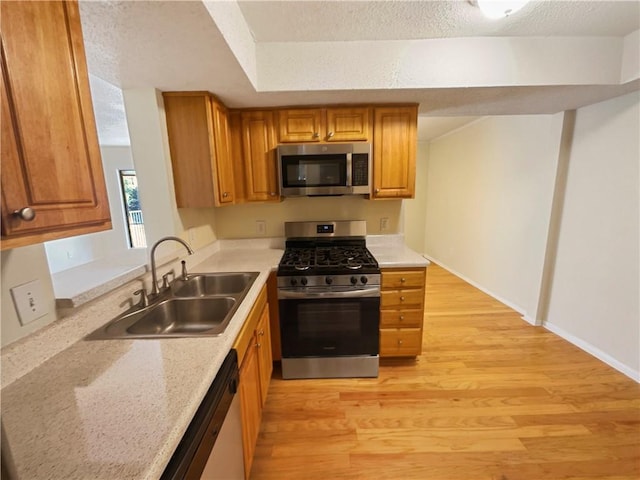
(241, 221)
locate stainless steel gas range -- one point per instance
(329, 299)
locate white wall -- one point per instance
(414, 219)
(22, 265)
(596, 286)
(70, 252)
(488, 203)
(150, 148)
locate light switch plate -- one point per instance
(29, 301)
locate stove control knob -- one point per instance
(293, 282)
(354, 280)
(328, 280)
(364, 280)
(303, 281)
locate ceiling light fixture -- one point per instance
(495, 9)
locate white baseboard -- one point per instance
(509, 304)
(596, 352)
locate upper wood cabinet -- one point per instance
(199, 141)
(335, 124)
(394, 152)
(50, 158)
(259, 156)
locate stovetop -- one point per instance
(327, 249)
(324, 257)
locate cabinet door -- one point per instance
(403, 279)
(394, 152)
(300, 125)
(199, 143)
(188, 126)
(265, 359)
(250, 404)
(401, 298)
(400, 342)
(223, 162)
(397, 318)
(50, 157)
(348, 124)
(258, 150)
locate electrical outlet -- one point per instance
(261, 227)
(384, 224)
(29, 302)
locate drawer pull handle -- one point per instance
(402, 299)
(402, 280)
(401, 317)
(258, 345)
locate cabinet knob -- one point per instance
(27, 214)
(402, 280)
(377, 190)
(261, 332)
(330, 134)
(316, 134)
(273, 194)
(258, 345)
(399, 342)
(402, 299)
(401, 317)
(225, 194)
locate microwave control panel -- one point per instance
(359, 169)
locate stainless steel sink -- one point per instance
(201, 305)
(213, 284)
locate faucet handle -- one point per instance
(144, 300)
(165, 278)
(184, 270)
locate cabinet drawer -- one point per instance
(403, 279)
(399, 342)
(401, 298)
(401, 318)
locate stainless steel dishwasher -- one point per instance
(211, 448)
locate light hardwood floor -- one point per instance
(491, 397)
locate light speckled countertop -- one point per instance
(117, 409)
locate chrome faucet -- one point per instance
(154, 276)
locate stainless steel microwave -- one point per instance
(313, 169)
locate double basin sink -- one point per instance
(200, 305)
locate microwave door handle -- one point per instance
(349, 169)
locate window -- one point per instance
(133, 212)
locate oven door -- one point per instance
(329, 326)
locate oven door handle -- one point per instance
(360, 293)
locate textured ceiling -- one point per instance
(177, 45)
(310, 21)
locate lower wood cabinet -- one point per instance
(250, 406)
(402, 312)
(256, 366)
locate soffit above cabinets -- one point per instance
(444, 55)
